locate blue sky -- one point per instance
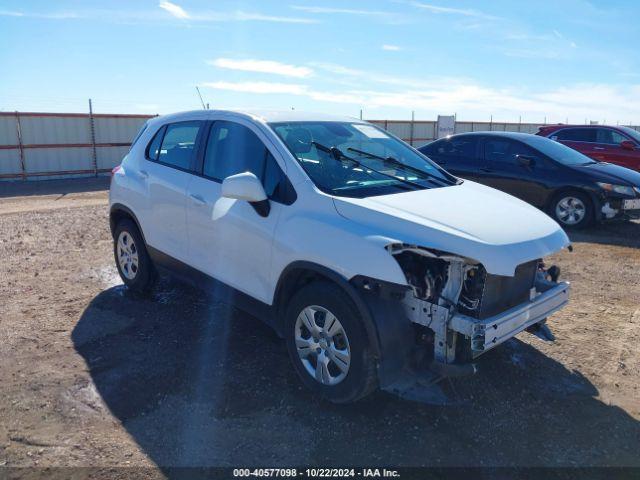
(559, 60)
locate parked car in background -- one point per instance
(619, 145)
(369, 259)
(574, 189)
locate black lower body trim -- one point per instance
(218, 290)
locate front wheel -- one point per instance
(328, 344)
(572, 210)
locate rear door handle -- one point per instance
(197, 199)
(598, 148)
(144, 174)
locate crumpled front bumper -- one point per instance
(490, 332)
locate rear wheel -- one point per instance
(572, 209)
(132, 259)
(328, 344)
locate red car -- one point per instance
(618, 145)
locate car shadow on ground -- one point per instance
(54, 187)
(198, 383)
(621, 233)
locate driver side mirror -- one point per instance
(246, 186)
(526, 161)
(627, 145)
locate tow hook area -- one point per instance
(542, 331)
(548, 278)
(453, 369)
(609, 212)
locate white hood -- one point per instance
(471, 220)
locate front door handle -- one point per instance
(197, 199)
(598, 148)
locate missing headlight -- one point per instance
(441, 278)
(426, 275)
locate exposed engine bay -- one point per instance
(462, 311)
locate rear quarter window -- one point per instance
(153, 149)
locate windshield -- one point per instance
(557, 151)
(380, 164)
(632, 133)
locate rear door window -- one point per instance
(575, 135)
(455, 151)
(496, 151)
(503, 153)
(178, 144)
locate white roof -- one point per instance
(297, 116)
(266, 116)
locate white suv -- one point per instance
(368, 258)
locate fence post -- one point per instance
(411, 129)
(23, 169)
(93, 139)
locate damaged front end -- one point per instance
(460, 311)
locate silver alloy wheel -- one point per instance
(322, 345)
(127, 255)
(571, 210)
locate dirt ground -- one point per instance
(91, 375)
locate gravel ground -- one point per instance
(91, 375)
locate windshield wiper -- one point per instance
(337, 154)
(398, 163)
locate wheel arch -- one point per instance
(118, 212)
(300, 273)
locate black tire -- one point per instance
(361, 378)
(581, 198)
(144, 274)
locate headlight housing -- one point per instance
(621, 189)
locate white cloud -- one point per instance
(471, 100)
(259, 17)
(175, 10)
(258, 87)
(466, 12)
(382, 78)
(284, 89)
(11, 13)
(49, 16)
(262, 66)
(332, 10)
(391, 48)
(338, 69)
(159, 15)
